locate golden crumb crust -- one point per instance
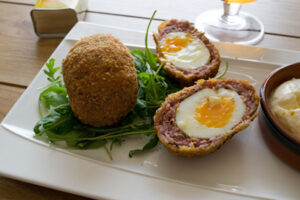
(187, 77)
(101, 81)
(179, 142)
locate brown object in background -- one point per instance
(279, 139)
(283, 152)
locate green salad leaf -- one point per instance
(150, 57)
(224, 72)
(50, 72)
(151, 144)
(51, 98)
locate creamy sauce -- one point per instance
(285, 105)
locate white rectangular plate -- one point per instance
(244, 168)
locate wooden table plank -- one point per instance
(280, 17)
(17, 190)
(269, 41)
(22, 53)
(8, 97)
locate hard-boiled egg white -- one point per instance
(209, 112)
(184, 50)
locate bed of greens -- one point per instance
(61, 128)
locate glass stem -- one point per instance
(231, 10)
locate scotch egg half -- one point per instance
(186, 54)
(199, 119)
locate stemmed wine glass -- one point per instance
(230, 24)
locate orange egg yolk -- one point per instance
(215, 114)
(175, 43)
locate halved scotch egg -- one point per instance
(187, 55)
(200, 119)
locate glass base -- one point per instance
(240, 29)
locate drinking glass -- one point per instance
(230, 24)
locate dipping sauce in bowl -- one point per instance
(285, 105)
(280, 113)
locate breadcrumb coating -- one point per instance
(101, 80)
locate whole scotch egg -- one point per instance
(101, 80)
(187, 54)
(199, 119)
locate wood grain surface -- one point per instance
(22, 53)
(269, 40)
(28, 53)
(11, 190)
(279, 17)
(8, 96)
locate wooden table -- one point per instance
(22, 53)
